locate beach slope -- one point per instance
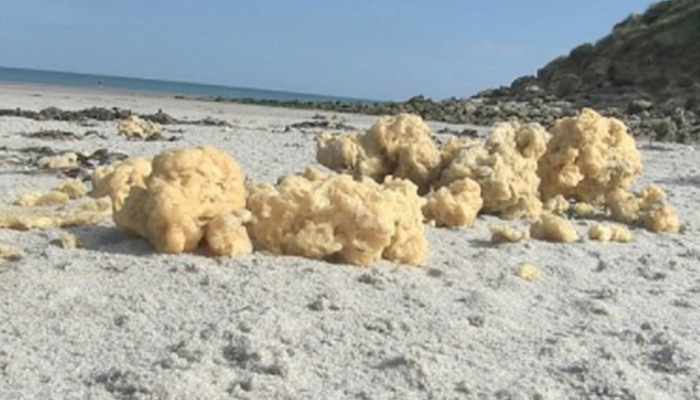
(112, 319)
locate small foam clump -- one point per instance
(583, 209)
(609, 233)
(34, 199)
(505, 167)
(136, 127)
(401, 146)
(561, 206)
(338, 217)
(553, 228)
(650, 209)
(74, 188)
(185, 191)
(59, 162)
(87, 213)
(70, 189)
(528, 272)
(10, 252)
(587, 157)
(227, 235)
(507, 234)
(116, 180)
(455, 205)
(557, 205)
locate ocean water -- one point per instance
(106, 82)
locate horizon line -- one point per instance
(217, 85)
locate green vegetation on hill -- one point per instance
(656, 51)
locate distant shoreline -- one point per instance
(154, 86)
(295, 104)
(85, 90)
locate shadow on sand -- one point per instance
(109, 239)
(692, 180)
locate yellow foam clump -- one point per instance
(610, 233)
(455, 205)
(553, 228)
(505, 167)
(650, 209)
(504, 233)
(587, 157)
(338, 217)
(116, 180)
(136, 127)
(186, 189)
(401, 146)
(528, 272)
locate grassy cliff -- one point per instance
(655, 52)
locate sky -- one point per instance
(369, 49)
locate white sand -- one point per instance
(114, 320)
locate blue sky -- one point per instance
(375, 49)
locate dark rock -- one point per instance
(566, 85)
(321, 122)
(53, 134)
(520, 84)
(664, 129)
(639, 105)
(161, 118)
(464, 132)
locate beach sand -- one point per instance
(115, 320)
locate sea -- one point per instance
(155, 86)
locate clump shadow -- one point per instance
(109, 239)
(484, 244)
(681, 181)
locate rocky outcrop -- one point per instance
(655, 54)
(646, 72)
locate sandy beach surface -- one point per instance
(115, 320)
